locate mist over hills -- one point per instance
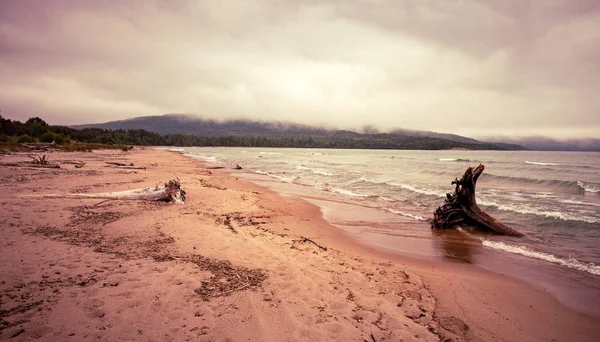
(186, 124)
(550, 144)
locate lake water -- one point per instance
(385, 197)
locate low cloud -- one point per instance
(515, 68)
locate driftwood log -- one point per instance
(41, 166)
(170, 192)
(119, 164)
(460, 208)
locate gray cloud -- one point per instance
(468, 67)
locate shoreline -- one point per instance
(536, 294)
(348, 292)
(380, 215)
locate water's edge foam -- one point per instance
(522, 250)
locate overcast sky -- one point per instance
(478, 68)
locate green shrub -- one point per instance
(47, 137)
(25, 139)
(58, 139)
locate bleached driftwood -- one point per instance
(41, 166)
(119, 164)
(129, 166)
(170, 192)
(41, 160)
(36, 161)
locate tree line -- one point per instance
(37, 130)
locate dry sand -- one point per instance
(229, 265)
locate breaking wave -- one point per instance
(316, 171)
(454, 160)
(283, 179)
(409, 187)
(540, 163)
(412, 216)
(539, 212)
(522, 250)
(575, 185)
(347, 192)
(588, 186)
(412, 188)
(567, 201)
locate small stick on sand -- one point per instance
(316, 244)
(118, 164)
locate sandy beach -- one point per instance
(231, 264)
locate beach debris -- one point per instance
(226, 277)
(17, 333)
(119, 164)
(78, 164)
(41, 166)
(238, 167)
(227, 223)
(171, 191)
(37, 161)
(460, 208)
(124, 166)
(305, 239)
(206, 184)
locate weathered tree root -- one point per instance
(461, 208)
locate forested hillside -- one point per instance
(37, 130)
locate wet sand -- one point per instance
(229, 265)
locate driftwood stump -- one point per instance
(460, 208)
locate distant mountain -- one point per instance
(549, 144)
(185, 124)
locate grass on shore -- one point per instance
(71, 147)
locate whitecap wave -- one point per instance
(409, 215)
(521, 209)
(522, 250)
(316, 171)
(208, 159)
(454, 160)
(575, 202)
(588, 186)
(412, 188)
(347, 192)
(408, 187)
(543, 195)
(540, 163)
(281, 178)
(271, 153)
